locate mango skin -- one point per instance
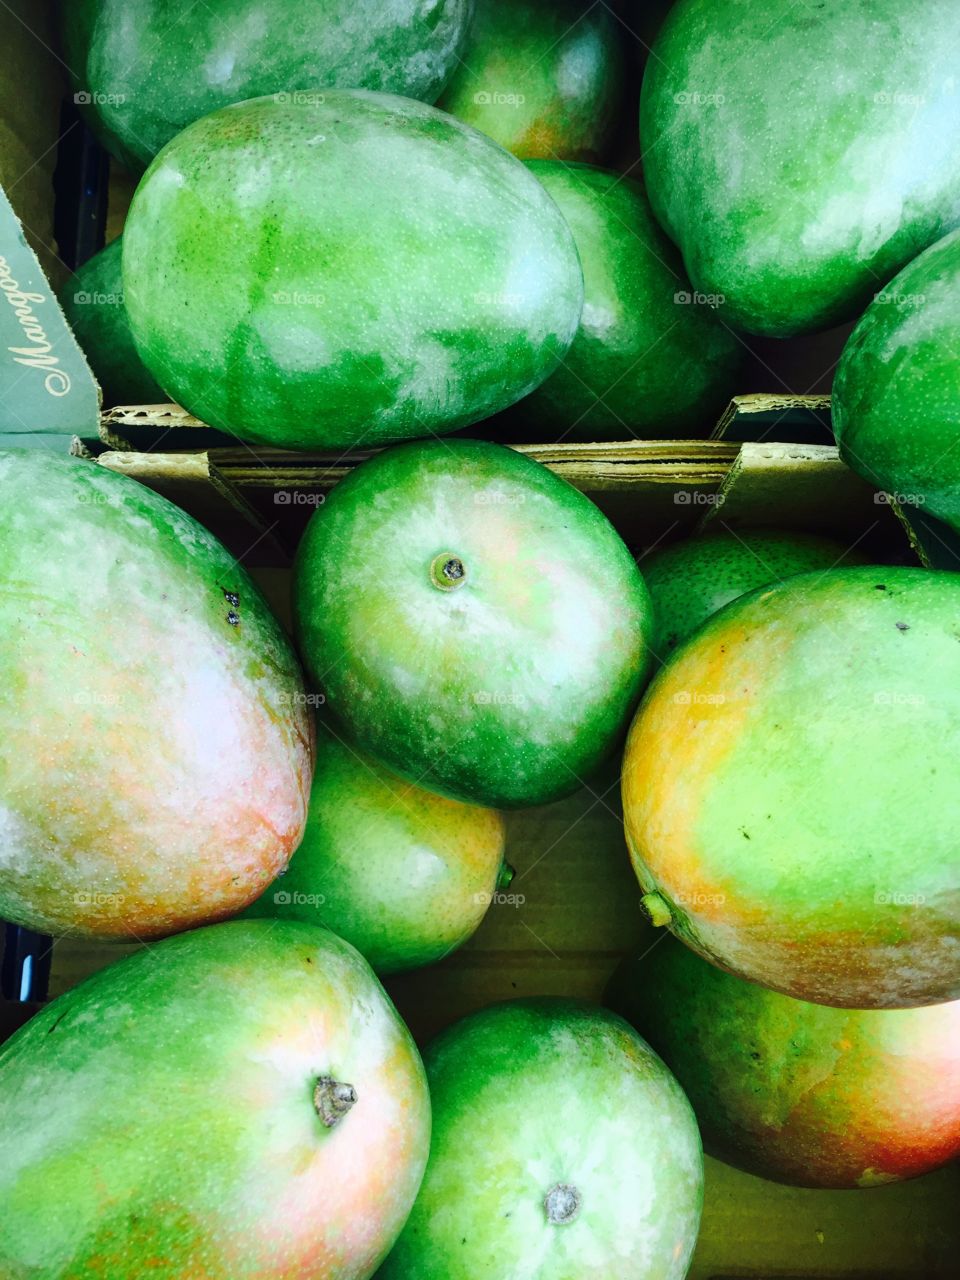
(155, 749)
(798, 196)
(544, 78)
(346, 272)
(531, 1094)
(93, 304)
(791, 788)
(158, 1119)
(648, 361)
(895, 395)
(798, 1092)
(690, 580)
(145, 70)
(507, 689)
(402, 874)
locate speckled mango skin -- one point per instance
(155, 751)
(647, 361)
(800, 155)
(794, 1091)
(531, 1094)
(92, 301)
(544, 78)
(507, 690)
(791, 788)
(159, 1120)
(148, 68)
(690, 580)
(346, 272)
(897, 389)
(403, 874)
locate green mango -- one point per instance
(346, 271)
(402, 874)
(155, 747)
(473, 621)
(144, 70)
(896, 396)
(690, 580)
(93, 304)
(651, 358)
(798, 1092)
(791, 788)
(241, 1102)
(801, 154)
(563, 1149)
(544, 78)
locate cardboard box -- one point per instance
(769, 461)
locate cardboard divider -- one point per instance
(787, 419)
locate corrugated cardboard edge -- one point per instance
(795, 486)
(790, 418)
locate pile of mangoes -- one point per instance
(317, 257)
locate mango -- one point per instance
(143, 72)
(801, 154)
(791, 788)
(402, 874)
(562, 1147)
(473, 621)
(155, 746)
(241, 1102)
(544, 79)
(651, 358)
(793, 1091)
(690, 580)
(346, 271)
(93, 304)
(895, 396)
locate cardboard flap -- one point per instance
(797, 486)
(46, 387)
(787, 419)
